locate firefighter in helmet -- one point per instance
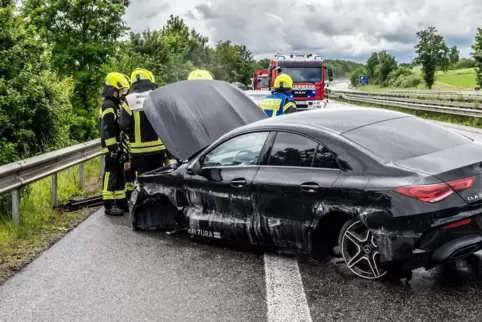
(200, 74)
(280, 101)
(116, 86)
(146, 148)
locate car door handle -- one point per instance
(237, 183)
(309, 187)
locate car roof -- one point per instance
(338, 119)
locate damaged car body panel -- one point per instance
(299, 182)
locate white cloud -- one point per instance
(336, 28)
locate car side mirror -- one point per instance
(330, 74)
(194, 169)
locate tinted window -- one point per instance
(241, 150)
(324, 158)
(292, 150)
(405, 138)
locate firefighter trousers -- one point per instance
(130, 178)
(145, 163)
(113, 191)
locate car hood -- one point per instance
(190, 115)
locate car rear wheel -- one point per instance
(359, 250)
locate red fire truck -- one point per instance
(308, 74)
(260, 80)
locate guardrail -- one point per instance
(15, 175)
(387, 99)
(438, 95)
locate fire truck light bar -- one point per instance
(298, 57)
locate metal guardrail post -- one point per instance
(81, 176)
(15, 207)
(54, 190)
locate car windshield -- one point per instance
(405, 138)
(308, 74)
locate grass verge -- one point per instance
(41, 226)
(455, 119)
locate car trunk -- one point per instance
(460, 162)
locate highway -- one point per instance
(104, 271)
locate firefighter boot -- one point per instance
(111, 208)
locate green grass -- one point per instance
(453, 80)
(457, 79)
(40, 224)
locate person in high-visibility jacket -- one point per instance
(200, 74)
(146, 148)
(113, 192)
(280, 101)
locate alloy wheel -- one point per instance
(360, 252)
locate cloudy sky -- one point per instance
(345, 29)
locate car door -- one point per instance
(288, 189)
(219, 196)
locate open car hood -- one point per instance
(190, 115)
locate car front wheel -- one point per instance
(359, 250)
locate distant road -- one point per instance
(342, 84)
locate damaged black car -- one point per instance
(389, 192)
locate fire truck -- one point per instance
(260, 80)
(308, 74)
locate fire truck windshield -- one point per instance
(303, 74)
(263, 82)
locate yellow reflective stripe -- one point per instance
(106, 183)
(105, 150)
(107, 111)
(110, 141)
(271, 104)
(137, 127)
(127, 108)
(146, 144)
(146, 150)
(120, 194)
(287, 106)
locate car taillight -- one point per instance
(435, 192)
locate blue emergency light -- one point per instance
(318, 57)
(280, 57)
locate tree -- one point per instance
(387, 64)
(432, 53)
(477, 56)
(454, 55)
(34, 106)
(372, 64)
(83, 36)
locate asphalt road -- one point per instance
(104, 271)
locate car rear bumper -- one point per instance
(408, 250)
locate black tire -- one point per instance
(359, 251)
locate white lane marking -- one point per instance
(285, 294)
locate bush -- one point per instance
(464, 63)
(410, 81)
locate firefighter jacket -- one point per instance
(109, 129)
(278, 104)
(143, 139)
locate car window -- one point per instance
(241, 150)
(405, 138)
(292, 150)
(324, 158)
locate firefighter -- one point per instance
(129, 171)
(146, 148)
(200, 74)
(279, 102)
(113, 193)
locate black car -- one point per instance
(390, 191)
